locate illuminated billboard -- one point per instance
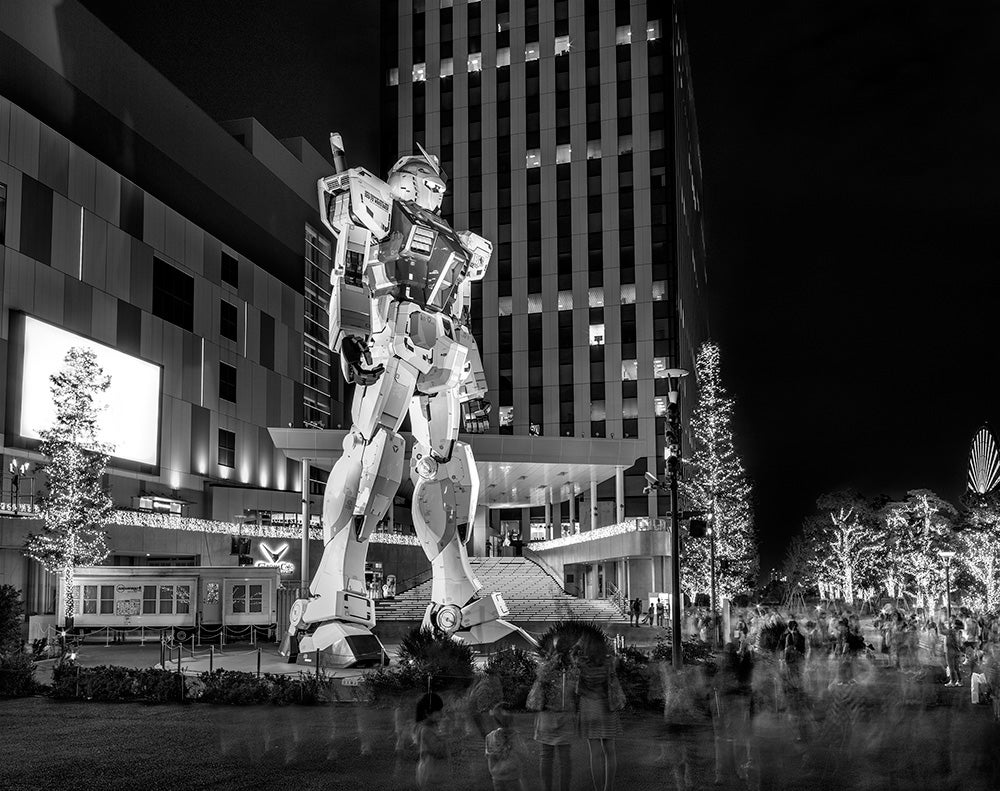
(130, 420)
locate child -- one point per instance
(432, 765)
(505, 752)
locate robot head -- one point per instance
(419, 179)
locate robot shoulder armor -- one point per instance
(480, 251)
(371, 201)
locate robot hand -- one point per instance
(354, 350)
(475, 415)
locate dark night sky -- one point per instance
(851, 178)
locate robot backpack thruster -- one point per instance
(401, 281)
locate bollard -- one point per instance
(211, 658)
(77, 681)
(317, 663)
(107, 636)
(222, 637)
(161, 654)
(258, 663)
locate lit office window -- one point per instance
(598, 410)
(659, 290)
(596, 334)
(475, 61)
(624, 144)
(506, 416)
(446, 3)
(563, 154)
(532, 51)
(505, 306)
(660, 367)
(660, 406)
(503, 57)
(392, 78)
(562, 45)
(534, 303)
(565, 300)
(623, 34)
(593, 149)
(447, 67)
(630, 370)
(419, 72)
(627, 294)
(630, 408)
(533, 158)
(595, 297)
(652, 30)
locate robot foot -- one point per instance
(337, 645)
(493, 632)
(480, 622)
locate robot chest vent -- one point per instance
(421, 240)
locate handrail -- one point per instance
(617, 598)
(528, 554)
(411, 582)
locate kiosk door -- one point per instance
(211, 601)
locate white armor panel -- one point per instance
(473, 378)
(435, 421)
(371, 201)
(480, 251)
(385, 402)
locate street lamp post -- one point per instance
(672, 451)
(947, 554)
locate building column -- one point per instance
(480, 530)
(628, 579)
(306, 517)
(549, 529)
(652, 574)
(572, 508)
(619, 495)
(593, 504)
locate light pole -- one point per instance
(711, 555)
(947, 554)
(672, 452)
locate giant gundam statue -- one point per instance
(401, 281)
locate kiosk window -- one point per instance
(89, 599)
(212, 593)
(149, 600)
(107, 599)
(166, 599)
(239, 598)
(256, 598)
(183, 599)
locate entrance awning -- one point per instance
(514, 471)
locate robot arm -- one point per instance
(472, 387)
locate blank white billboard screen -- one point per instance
(131, 418)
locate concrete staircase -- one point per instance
(530, 593)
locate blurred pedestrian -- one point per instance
(506, 753)
(953, 652)
(600, 699)
(432, 746)
(553, 696)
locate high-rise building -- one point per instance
(568, 132)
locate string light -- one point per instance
(622, 528)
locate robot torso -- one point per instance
(421, 260)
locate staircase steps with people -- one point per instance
(530, 593)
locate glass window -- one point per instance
(166, 599)
(183, 599)
(534, 303)
(149, 600)
(630, 408)
(227, 383)
(660, 406)
(230, 270)
(503, 57)
(76, 600)
(239, 598)
(628, 294)
(392, 78)
(597, 411)
(173, 295)
(593, 149)
(623, 34)
(562, 45)
(533, 158)
(3, 213)
(475, 61)
(505, 306)
(595, 297)
(447, 67)
(624, 144)
(655, 139)
(107, 599)
(256, 598)
(506, 416)
(565, 300)
(532, 51)
(596, 334)
(659, 290)
(563, 154)
(660, 367)
(89, 599)
(630, 370)
(419, 72)
(227, 448)
(228, 320)
(212, 593)
(652, 29)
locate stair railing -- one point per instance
(617, 598)
(534, 557)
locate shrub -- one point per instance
(112, 684)
(447, 662)
(11, 619)
(693, 652)
(634, 675)
(17, 675)
(235, 688)
(515, 669)
(566, 634)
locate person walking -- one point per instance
(636, 611)
(432, 746)
(600, 699)
(505, 751)
(953, 653)
(553, 696)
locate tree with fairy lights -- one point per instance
(716, 482)
(917, 530)
(75, 505)
(847, 545)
